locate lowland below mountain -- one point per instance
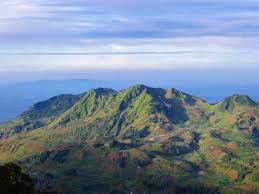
(138, 140)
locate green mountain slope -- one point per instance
(39, 115)
(140, 140)
(236, 101)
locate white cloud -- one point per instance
(190, 53)
(207, 38)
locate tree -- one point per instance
(14, 181)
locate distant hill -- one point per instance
(139, 140)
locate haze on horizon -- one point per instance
(68, 39)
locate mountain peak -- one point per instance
(139, 87)
(237, 100)
(135, 90)
(101, 92)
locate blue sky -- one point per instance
(60, 35)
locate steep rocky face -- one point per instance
(139, 140)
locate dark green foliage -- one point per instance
(173, 147)
(28, 126)
(134, 134)
(122, 146)
(256, 136)
(40, 114)
(196, 189)
(51, 107)
(142, 162)
(14, 181)
(177, 115)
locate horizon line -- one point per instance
(111, 53)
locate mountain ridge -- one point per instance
(20, 96)
(158, 136)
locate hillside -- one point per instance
(137, 140)
(39, 115)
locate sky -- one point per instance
(49, 38)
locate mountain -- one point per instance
(16, 98)
(19, 97)
(139, 140)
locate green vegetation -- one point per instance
(13, 180)
(39, 115)
(139, 140)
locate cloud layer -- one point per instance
(198, 33)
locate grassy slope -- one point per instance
(39, 115)
(143, 138)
